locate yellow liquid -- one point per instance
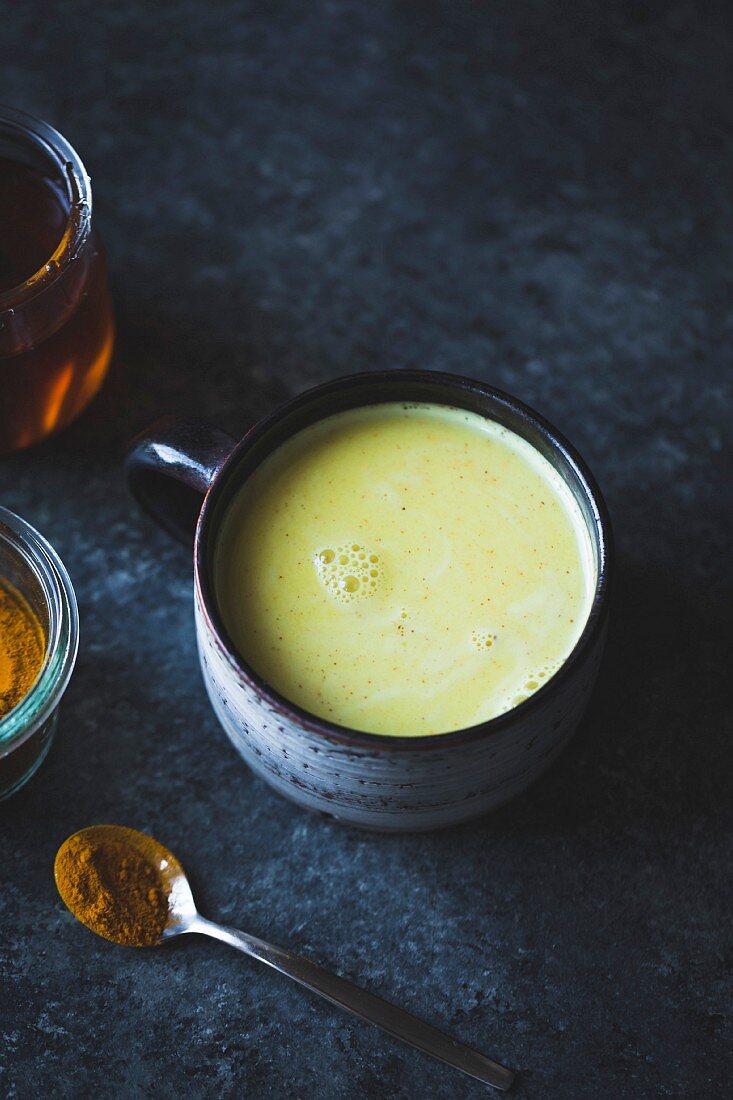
(404, 569)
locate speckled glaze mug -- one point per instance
(185, 473)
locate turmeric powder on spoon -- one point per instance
(114, 882)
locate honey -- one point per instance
(56, 322)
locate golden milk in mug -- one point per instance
(405, 569)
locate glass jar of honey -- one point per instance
(56, 322)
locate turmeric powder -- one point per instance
(112, 880)
(22, 647)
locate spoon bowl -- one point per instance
(182, 911)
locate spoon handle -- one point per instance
(364, 1004)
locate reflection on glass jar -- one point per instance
(56, 322)
(35, 581)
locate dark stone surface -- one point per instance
(536, 194)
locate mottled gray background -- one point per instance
(536, 194)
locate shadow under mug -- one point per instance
(185, 473)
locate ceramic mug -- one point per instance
(185, 473)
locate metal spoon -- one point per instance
(183, 917)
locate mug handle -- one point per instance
(169, 468)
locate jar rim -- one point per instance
(62, 642)
(75, 177)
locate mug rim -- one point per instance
(601, 536)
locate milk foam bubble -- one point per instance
(533, 682)
(348, 572)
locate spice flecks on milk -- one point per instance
(405, 569)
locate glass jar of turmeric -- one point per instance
(39, 635)
(56, 323)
